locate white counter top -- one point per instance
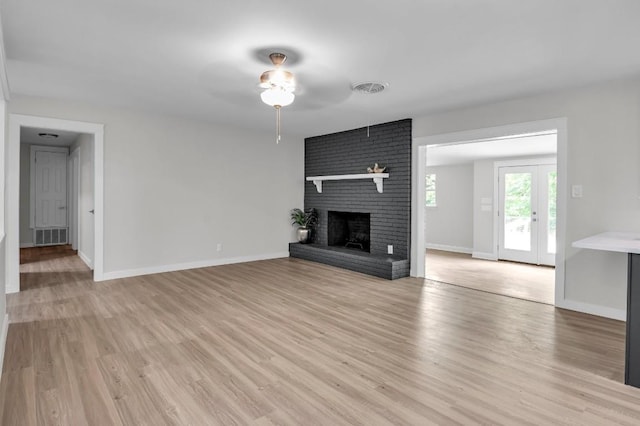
(624, 242)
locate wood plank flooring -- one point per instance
(50, 266)
(528, 282)
(292, 342)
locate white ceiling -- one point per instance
(468, 152)
(31, 135)
(202, 59)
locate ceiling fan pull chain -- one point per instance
(368, 117)
(277, 125)
(279, 85)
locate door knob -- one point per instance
(92, 211)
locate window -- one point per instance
(430, 193)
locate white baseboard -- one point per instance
(3, 340)
(85, 259)
(485, 256)
(26, 245)
(588, 308)
(189, 265)
(444, 247)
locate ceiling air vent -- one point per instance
(369, 87)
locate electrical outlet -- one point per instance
(219, 247)
(390, 249)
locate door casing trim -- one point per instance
(418, 170)
(12, 252)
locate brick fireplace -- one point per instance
(356, 206)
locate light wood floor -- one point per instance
(292, 342)
(50, 266)
(529, 282)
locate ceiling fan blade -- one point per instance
(230, 83)
(238, 83)
(318, 88)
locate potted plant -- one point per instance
(305, 220)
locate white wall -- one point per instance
(84, 144)
(4, 320)
(174, 188)
(483, 219)
(449, 225)
(603, 156)
(26, 233)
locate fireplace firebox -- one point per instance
(349, 230)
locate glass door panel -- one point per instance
(517, 211)
(527, 213)
(518, 215)
(548, 179)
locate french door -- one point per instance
(527, 214)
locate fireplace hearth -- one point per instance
(349, 230)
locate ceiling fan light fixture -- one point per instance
(279, 85)
(277, 77)
(277, 97)
(277, 58)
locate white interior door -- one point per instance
(73, 199)
(527, 197)
(86, 203)
(50, 189)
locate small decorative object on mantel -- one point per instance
(305, 220)
(377, 169)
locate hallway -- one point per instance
(51, 266)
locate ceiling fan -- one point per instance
(310, 82)
(279, 86)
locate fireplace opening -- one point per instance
(349, 230)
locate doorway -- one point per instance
(489, 203)
(460, 217)
(56, 187)
(17, 123)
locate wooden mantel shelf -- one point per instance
(376, 177)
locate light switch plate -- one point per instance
(576, 191)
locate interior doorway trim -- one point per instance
(418, 169)
(16, 122)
